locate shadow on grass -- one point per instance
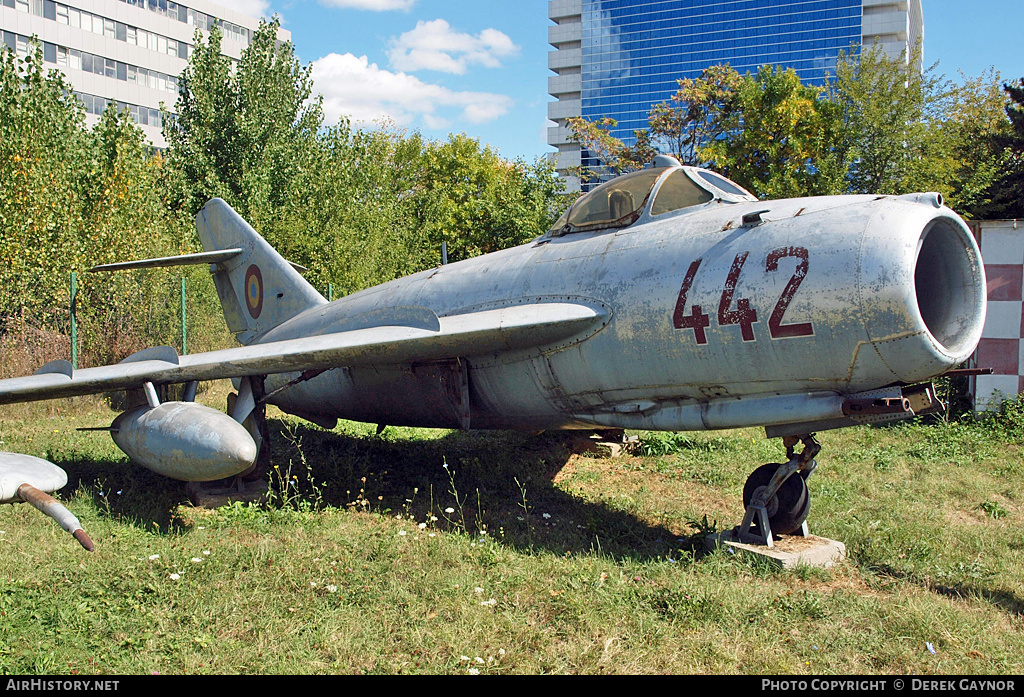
(498, 481)
(126, 492)
(1008, 602)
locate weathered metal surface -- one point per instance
(17, 469)
(476, 333)
(883, 405)
(731, 312)
(27, 478)
(186, 441)
(179, 260)
(53, 508)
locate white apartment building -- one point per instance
(128, 51)
(620, 58)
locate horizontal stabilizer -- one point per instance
(182, 260)
(458, 336)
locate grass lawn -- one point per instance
(517, 557)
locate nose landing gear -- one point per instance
(776, 497)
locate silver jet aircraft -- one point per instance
(666, 299)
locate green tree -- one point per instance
(477, 202)
(245, 134)
(1006, 193)
(70, 198)
(616, 157)
(886, 106)
(962, 154)
(45, 167)
(693, 118)
(352, 221)
(781, 139)
(124, 218)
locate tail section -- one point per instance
(258, 288)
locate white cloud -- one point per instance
(373, 5)
(434, 46)
(250, 8)
(355, 88)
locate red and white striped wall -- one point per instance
(1001, 347)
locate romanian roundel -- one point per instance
(254, 291)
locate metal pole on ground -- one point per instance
(74, 320)
(184, 324)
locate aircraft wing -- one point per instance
(472, 334)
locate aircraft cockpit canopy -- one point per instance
(621, 202)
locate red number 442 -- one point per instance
(744, 315)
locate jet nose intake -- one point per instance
(949, 287)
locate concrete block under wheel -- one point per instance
(789, 551)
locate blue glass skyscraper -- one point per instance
(617, 58)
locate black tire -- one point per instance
(788, 509)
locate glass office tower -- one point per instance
(617, 58)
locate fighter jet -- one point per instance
(665, 299)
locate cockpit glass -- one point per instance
(614, 204)
(678, 191)
(723, 183)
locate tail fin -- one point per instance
(258, 288)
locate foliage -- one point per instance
(694, 117)
(243, 135)
(478, 203)
(71, 198)
(355, 207)
(877, 127)
(45, 163)
(1008, 420)
(1007, 191)
(884, 103)
(781, 139)
(616, 157)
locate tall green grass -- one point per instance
(518, 557)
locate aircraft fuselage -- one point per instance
(810, 298)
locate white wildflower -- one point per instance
(154, 556)
(175, 577)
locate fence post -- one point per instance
(74, 320)
(330, 292)
(184, 324)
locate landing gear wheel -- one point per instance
(788, 509)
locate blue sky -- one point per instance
(480, 67)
